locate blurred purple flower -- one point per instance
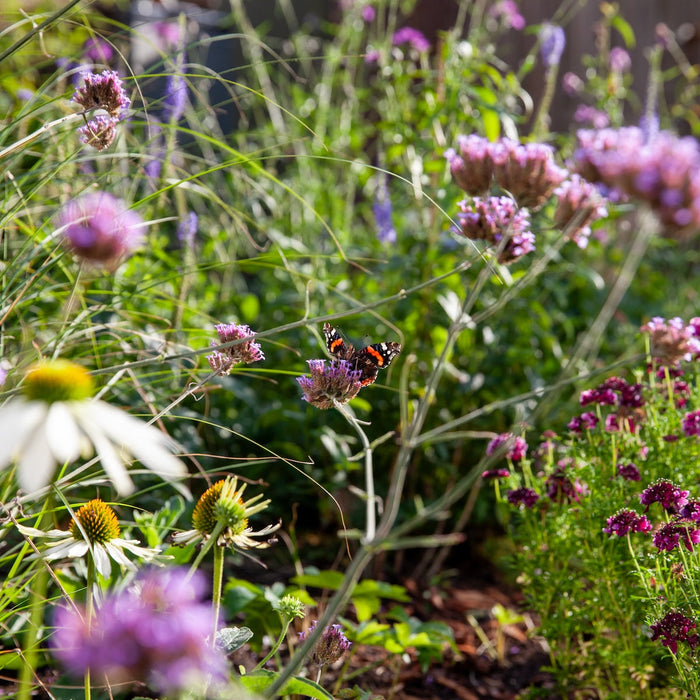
(572, 84)
(100, 228)
(526, 171)
(187, 229)
(523, 496)
(691, 423)
(585, 114)
(586, 421)
(155, 632)
(516, 446)
(409, 35)
(97, 50)
(670, 535)
(620, 61)
(553, 42)
(579, 201)
(493, 218)
(368, 13)
(175, 98)
(629, 471)
(382, 209)
(663, 171)
(506, 12)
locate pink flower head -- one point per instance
(103, 91)
(691, 423)
(580, 203)
(671, 341)
(626, 521)
(506, 12)
(516, 447)
(100, 229)
(413, 37)
(330, 385)
(247, 351)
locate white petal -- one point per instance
(102, 562)
(70, 549)
(133, 547)
(111, 463)
(148, 444)
(18, 419)
(36, 464)
(62, 433)
(118, 555)
(34, 532)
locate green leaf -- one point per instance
(323, 579)
(231, 638)
(262, 680)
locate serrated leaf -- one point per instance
(231, 638)
(261, 680)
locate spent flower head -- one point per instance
(100, 229)
(94, 529)
(222, 510)
(330, 385)
(56, 422)
(248, 351)
(103, 91)
(154, 632)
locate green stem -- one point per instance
(89, 612)
(37, 602)
(217, 581)
(276, 645)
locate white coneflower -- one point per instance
(94, 529)
(56, 422)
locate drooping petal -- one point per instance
(110, 460)
(116, 553)
(62, 433)
(37, 463)
(148, 444)
(102, 562)
(18, 420)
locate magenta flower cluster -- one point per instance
(515, 446)
(626, 521)
(507, 14)
(662, 170)
(627, 398)
(499, 222)
(155, 632)
(413, 37)
(673, 340)
(103, 91)
(675, 627)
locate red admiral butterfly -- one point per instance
(368, 360)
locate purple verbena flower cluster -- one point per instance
(662, 170)
(330, 647)
(155, 632)
(526, 171)
(413, 37)
(223, 361)
(103, 91)
(499, 222)
(506, 13)
(330, 385)
(580, 203)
